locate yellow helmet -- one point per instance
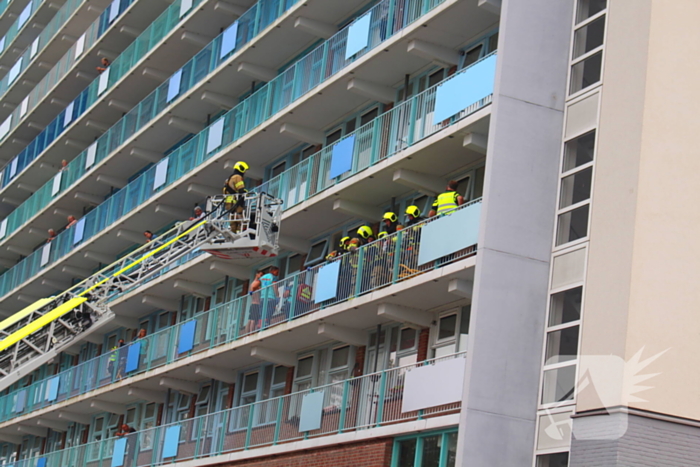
(390, 216)
(413, 211)
(241, 167)
(343, 242)
(382, 235)
(365, 232)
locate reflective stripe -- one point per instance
(446, 201)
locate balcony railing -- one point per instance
(3, 6)
(297, 81)
(47, 34)
(354, 404)
(393, 259)
(392, 132)
(22, 21)
(58, 72)
(124, 63)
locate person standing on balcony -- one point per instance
(234, 191)
(268, 294)
(390, 224)
(413, 216)
(254, 311)
(198, 214)
(105, 64)
(52, 236)
(149, 236)
(125, 431)
(447, 201)
(342, 249)
(71, 222)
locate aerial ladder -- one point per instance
(248, 228)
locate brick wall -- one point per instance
(374, 453)
(423, 344)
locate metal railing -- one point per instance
(58, 72)
(377, 265)
(47, 35)
(390, 133)
(360, 403)
(124, 63)
(298, 80)
(22, 21)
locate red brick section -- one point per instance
(373, 453)
(359, 361)
(423, 343)
(289, 382)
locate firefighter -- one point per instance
(447, 201)
(234, 189)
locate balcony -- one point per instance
(358, 405)
(181, 165)
(10, 9)
(260, 32)
(407, 269)
(71, 20)
(67, 77)
(22, 31)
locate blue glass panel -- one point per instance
(132, 357)
(311, 412)
(229, 39)
(119, 452)
(451, 233)
(327, 282)
(186, 342)
(79, 231)
(52, 389)
(464, 90)
(358, 36)
(341, 160)
(174, 85)
(172, 441)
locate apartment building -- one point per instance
(524, 328)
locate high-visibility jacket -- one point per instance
(446, 202)
(234, 185)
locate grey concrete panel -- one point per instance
(646, 442)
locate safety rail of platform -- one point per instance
(385, 397)
(36, 336)
(390, 260)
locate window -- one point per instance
(183, 407)
(561, 346)
(473, 55)
(452, 332)
(333, 137)
(317, 253)
(303, 379)
(589, 37)
(295, 263)
(148, 422)
(426, 450)
(436, 77)
(586, 72)
(369, 116)
(578, 151)
(559, 459)
(565, 307)
(575, 189)
(588, 8)
(277, 169)
(572, 225)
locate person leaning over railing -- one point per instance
(255, 311)
(447, 201)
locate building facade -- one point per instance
(525, 327)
